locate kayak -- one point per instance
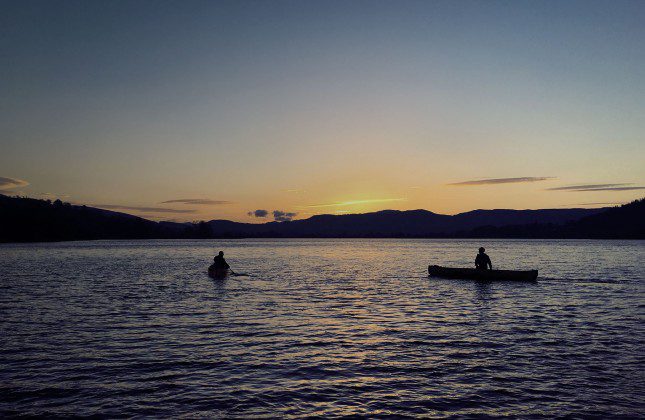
(218, 273)
(475, 274)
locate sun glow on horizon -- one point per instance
(299, 110)
(357, 202)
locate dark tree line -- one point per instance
(32, 220)
(624, 222)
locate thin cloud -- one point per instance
(592, 204)
(586, 187)
(598, 187)
(258, 213)
(495, 181)
(197, 201)
(7, 183)
(282, 216)
(52, 196)
(354, 202)
(613, 189)
(142, 209)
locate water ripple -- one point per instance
(325, 328)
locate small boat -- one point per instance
(218, 273)
(475, 274)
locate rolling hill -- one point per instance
(31, 220)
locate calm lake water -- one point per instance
(321, 327)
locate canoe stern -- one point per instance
(488, 275)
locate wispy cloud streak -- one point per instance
(612, 189)
(7, 183)
(197, 201)
(592, 204)
(142, 209)
(597, 187)
(585, 186)
(52, 196)
(495, 181)
(355, 202)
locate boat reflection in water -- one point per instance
(478, 274)
(218, 273)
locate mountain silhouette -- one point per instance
(33, 220)
(395, 223)
(624, 222)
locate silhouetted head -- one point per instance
(221, 253)
(481, 250)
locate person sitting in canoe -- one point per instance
(219, 263)
(482, 261)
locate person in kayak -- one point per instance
(482, 261)
(219, 263)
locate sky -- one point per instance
(261, 110)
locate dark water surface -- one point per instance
(321, 327)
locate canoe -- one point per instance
(475, 274)
(218, 273)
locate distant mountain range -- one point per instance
(31, 220)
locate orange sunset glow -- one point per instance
(450, 112)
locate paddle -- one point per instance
(239, 274)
